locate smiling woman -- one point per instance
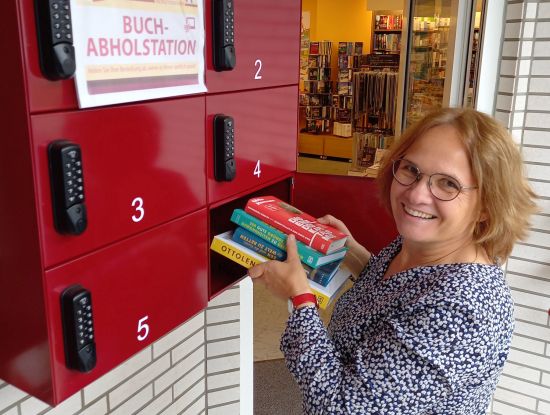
(427, 326)
(486, 150)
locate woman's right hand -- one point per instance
(335, 223)
(357, 256)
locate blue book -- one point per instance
(321, 275)
(276, 238)
(257, 244)
(324, 274)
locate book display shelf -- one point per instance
(316, 97)
(349, 54)
(428, 62)
(387, 31)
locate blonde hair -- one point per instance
(506, 199)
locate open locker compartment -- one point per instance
(223, 272)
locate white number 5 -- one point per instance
(143, 327)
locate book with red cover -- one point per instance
(288, 219)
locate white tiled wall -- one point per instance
(523, 104)
(195, 369)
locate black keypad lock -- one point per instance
(55, 38)
(223, 37)
(224, 148)
(67, 181)
(78, 328)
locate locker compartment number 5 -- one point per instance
(142, 329)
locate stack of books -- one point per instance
(260, 235)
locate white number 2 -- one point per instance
(142, 327)
(258, 64)
(138, 204)
(257, 169)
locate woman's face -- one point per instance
(420, 217)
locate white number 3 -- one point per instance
(138, 204)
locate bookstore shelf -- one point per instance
(427, 65)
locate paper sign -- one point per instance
(134, 50)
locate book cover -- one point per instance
(287, 218)
(257, 244)
(314, 48)
(324, 274)
(226, 246)
(277, 238)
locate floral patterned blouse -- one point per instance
(429, 340)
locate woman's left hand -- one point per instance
(284, 279)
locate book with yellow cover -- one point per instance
(226, 246)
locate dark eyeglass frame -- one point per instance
(396, 163)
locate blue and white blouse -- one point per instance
(430, 340)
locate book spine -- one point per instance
(274, 236)
(316, 243)
(258, 227)
(257, 244)
(235, 254)
(322, 299)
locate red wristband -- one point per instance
(304, 298)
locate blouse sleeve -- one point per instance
(414, 359)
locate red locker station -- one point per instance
(86, 285)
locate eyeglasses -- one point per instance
(442, 186)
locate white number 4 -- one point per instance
(143, 327)
(257, 169)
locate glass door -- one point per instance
(474, 54)
(434, 57)
(428, 57)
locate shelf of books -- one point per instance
(387, 32)
(259, 231)
(349, 54)
(315, 98)
(427, 66)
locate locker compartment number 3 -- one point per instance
(137, 204)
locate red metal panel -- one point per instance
(43, 94)
(265, 131)
(267, 31)
(353, 200)
(152, 151)
(160, 274)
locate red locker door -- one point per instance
(143, 165)
(141, 288)
(43, 94)
(267, 44)
(265, 138)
